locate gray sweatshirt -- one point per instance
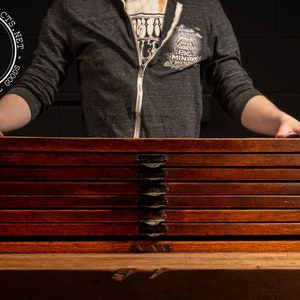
(121, 95)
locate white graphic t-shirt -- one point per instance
(147, 18)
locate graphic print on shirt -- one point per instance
(186, 45)
(147, 28)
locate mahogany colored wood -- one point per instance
(35, 247)
(129, 201)
(198, 195)
(133, 215)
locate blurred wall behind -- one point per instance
(269, 36)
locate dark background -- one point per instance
(269, 35)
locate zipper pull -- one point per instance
(142, 70)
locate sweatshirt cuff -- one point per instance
(30, 98)
(241, 101)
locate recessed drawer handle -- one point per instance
(153, 202)
(153, 231)
(152, 173)
(152, 160)
(152, 218)
(153, 189)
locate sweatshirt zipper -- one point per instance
(139, 102)
(142, 69)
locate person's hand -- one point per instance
(1, 134)
(289, 128)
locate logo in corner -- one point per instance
(12, 45)
(186, 46)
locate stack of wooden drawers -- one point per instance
(149, 195)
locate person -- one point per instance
(140, 66)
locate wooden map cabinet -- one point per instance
(182, 202)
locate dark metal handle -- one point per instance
(153, 231)
(152, 173)
(153, 202)
(152, 217)
(152, 160)
(153, 189)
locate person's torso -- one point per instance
(145, 66)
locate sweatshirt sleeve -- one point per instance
(39, 83)
(232, 86)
